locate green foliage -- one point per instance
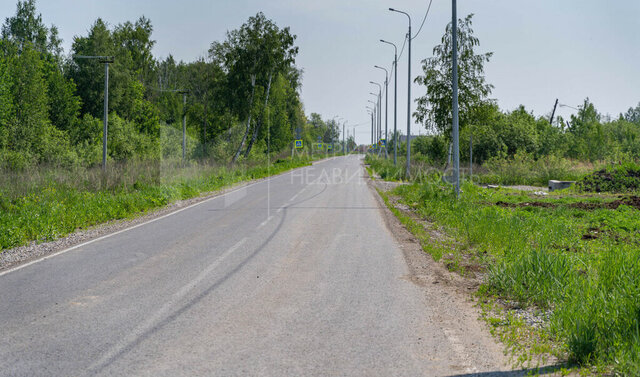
(385, 168)
(50, 110)
(258, 49)
(27, 28)
(435, 107)
(622, 178)
(435, 148)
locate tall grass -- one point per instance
(537, 256)
(523, 169)
(44, 204)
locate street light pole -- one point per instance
(344, 146)
(375, 118)
(395, 102)
(371, 128)
(371, 112)
(386, 109)
(408, 94)
(456, 141)
(379, 119)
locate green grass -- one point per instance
(523, 169)
(48, 204)
(583, 265)
(385, 168)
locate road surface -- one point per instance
(294, 275)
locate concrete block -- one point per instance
(559, 185)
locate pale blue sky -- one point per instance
(544, 49)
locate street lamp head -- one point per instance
(391, 9)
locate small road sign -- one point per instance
(319, 145)
(298, 144)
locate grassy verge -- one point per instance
(519, 170)
(46, 205)
(573, 256)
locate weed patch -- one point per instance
(575, 257)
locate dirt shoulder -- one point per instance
(449, 295)
(452, 295)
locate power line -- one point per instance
(423, 20)
(403, 45)
(399, 56)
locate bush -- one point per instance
(622, 178)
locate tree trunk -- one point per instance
(246, 131)
(259, 123)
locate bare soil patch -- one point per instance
(632, 201)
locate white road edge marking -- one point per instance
(175, 298)
(265, 222)
(147, 222)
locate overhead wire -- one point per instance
(423, 20)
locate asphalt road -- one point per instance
(294, 275)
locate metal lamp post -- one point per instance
(395, 101)
(386, 108)
(408, 94)
(456, 141)
(375, 117)
(371, 111)
(344, 145)
(379, 95)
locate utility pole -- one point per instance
(395, 102)
(456, 141)
(375, 117)
(106, 60)
(408, 173)
(553, 113)
(386, 109)
(372, 128)
(379, 113)
(344, 146)
(184, 123)
(471, 156)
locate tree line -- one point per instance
(243, 96)
(587, 135)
